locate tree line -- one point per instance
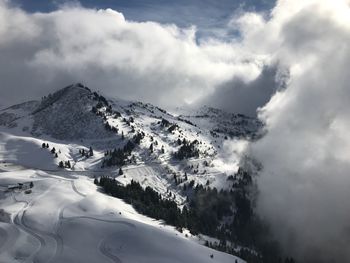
(204, 214)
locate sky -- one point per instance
(205, 14)
(288, 64)
(195, 29)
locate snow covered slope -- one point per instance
(66, 218)
(75, 118)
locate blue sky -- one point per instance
(207, 15)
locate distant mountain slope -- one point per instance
(67, 114)
(193, 142)
(221, 122)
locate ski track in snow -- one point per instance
(103, 243)
(40, 253)
(10, 234)
(18, 221)
(4, 237)
(76, 190)
(39, 235)
(106, 252)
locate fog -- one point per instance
(304, 185)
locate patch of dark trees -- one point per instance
(86, 153)
(100, 98)
(111, 128)
(53, 150)
(167, 124)
(65, 164)
(186, 121)
(164, 123)
(187, 149)
(204, 214)
(102, 102)
(120, 156)
(161, 110)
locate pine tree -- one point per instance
(60, 164)
(96, 181)
(162, 149)
(53, 150)
(47, 145)
(179, 141)
(56, 155)
(120, 171)
(151, 148)
(31, 185)
(91, 153)
(123, 135)
(43, 145)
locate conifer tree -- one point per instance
(179, 141)
(91, 153)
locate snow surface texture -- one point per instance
(66, 218)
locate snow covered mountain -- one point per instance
(89, 136)
(68, 114)
(76, 118)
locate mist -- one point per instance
(305, 154)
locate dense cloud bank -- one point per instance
(305, 182)
(159, 63)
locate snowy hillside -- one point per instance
(67, 139)
(77, 118)
(65, 219)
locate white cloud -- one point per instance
(304, 187)
(135, 60)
